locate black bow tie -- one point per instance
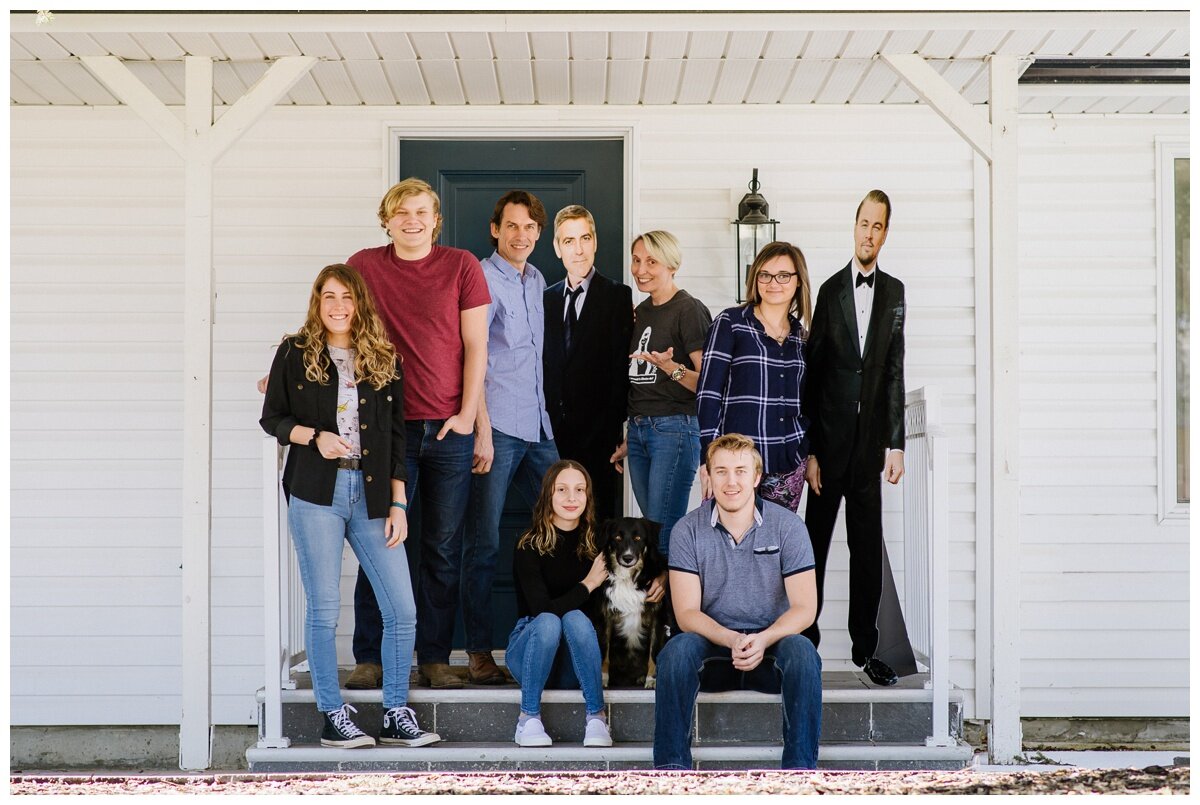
(865, 279)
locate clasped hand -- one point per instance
(748, 651)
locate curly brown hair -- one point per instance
(375, 356)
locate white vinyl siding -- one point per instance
(96, 246)
(1104, 585)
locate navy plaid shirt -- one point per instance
(750, 384)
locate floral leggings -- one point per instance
(784, 488)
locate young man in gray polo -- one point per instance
(743, 586)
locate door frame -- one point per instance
(626, 132)
(453, 127)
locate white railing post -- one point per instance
(926, 549)
(275, 595)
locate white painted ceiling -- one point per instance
(588, 59)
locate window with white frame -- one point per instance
(1174, 205)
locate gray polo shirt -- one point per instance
(741, 585)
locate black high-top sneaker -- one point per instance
(400, 729)
(340, 731)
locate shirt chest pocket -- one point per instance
(766, 551)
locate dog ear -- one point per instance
(604, 535)
(652, 529)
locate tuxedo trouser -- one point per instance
(864, 537)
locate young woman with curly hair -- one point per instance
(335, 394)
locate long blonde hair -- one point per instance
(375, 357)
(542, 536)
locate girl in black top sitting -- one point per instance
(557, 567)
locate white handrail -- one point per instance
(926, 548)
(283, 639)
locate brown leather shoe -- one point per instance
(366, 676)
(440, 675)
(482, 669)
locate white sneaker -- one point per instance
(532, 733)
(596, 733)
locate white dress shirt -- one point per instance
(584, 283)
(864, 298)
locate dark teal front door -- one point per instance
(469, 176)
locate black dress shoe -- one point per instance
(880, 673)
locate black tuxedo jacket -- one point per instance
(587, 391)
(855, 404)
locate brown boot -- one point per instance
(366, 676)
(440, 675)
(482, 669)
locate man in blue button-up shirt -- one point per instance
(514, 443)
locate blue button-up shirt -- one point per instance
(751, 384)
(514, 386)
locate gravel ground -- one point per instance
(1151, 780)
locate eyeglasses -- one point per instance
(783, 278)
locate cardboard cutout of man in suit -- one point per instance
(855, 402)
(586, 379)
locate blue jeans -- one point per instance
(516, 462)
(318, 533)
(664, 454)
(440, 473)
(689, 663)
(563, 653)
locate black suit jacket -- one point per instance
(587, 391)
(855, 404)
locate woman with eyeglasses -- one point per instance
(752, 374)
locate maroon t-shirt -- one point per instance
(420, 302)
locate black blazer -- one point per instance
(292, 399)
(587, 391)
(848, 395)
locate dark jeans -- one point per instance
(517, 463)
(440, 472)
(689, 663)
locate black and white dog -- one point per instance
(632, 631)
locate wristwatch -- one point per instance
(678, 373)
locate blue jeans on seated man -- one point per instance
(440, 473)
(552, 652)
(689, 663)
(664, 454)
(319, 533)
(522, 465)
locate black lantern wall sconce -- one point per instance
(753, 229)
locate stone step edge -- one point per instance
(500, 753)
(512, 695)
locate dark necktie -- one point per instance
(572, 317)
(865, 279)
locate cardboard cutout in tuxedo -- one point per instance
(587, 388)
(855, 403)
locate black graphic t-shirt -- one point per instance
(681, 324)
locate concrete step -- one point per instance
(506, 756)
(854, 710)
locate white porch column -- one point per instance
(994, 137)
(195, 726)
(1004, 730)
(200, 143)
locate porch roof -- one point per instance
(475, 58)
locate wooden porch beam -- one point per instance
(936, 92)
(259, 100)
(134, 94)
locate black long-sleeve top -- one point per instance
(554, 582)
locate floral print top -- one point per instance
(347, 403)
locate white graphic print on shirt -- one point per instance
(640, 371)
